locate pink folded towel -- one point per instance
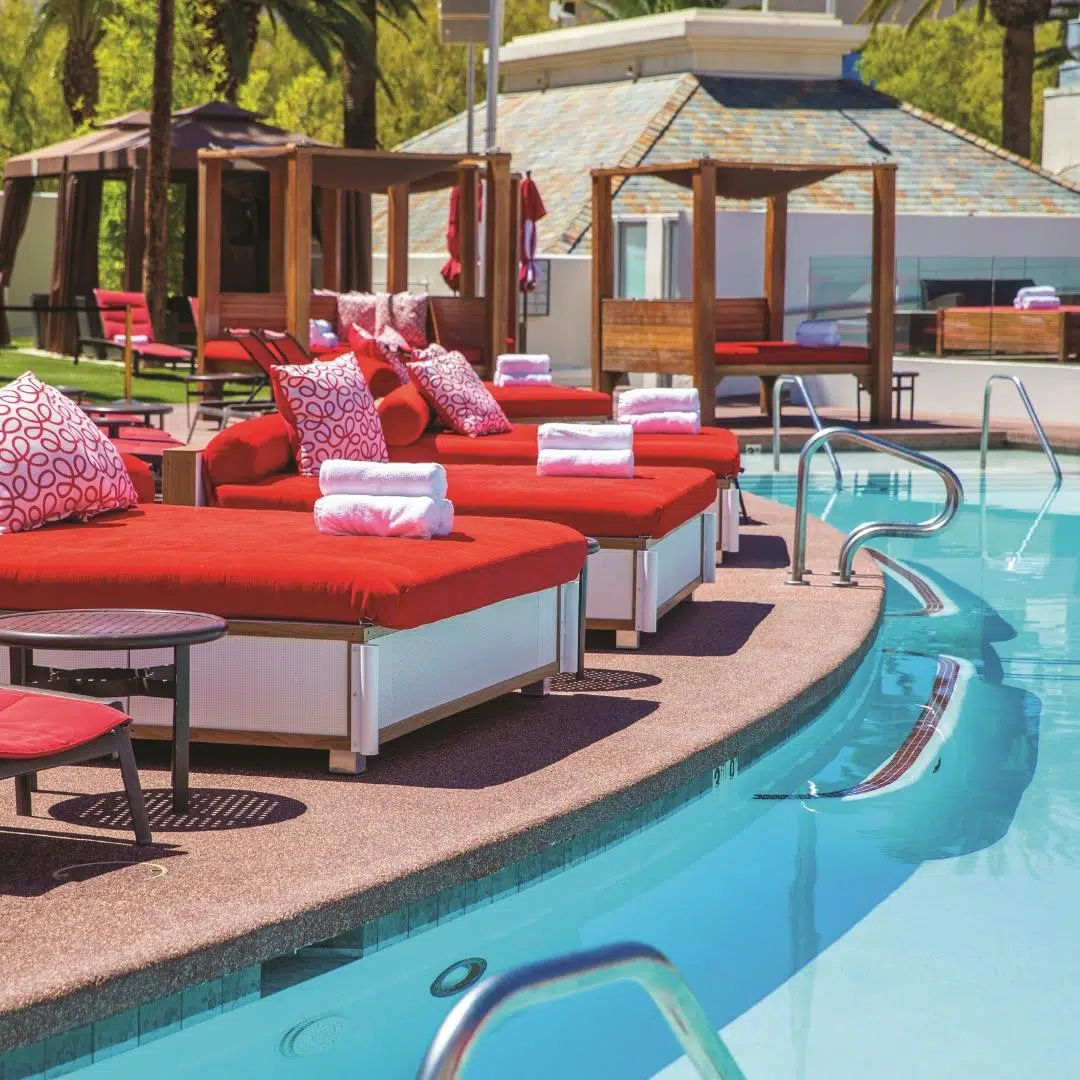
(532, 379)
(585, 437)
(616, 463)
(523, 363)
(1040, 303)
(136, 339)
(405, 516)
(658, 399)
(665, 423)
(422, 479)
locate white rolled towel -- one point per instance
(819, 332)
(405, 516)
(613, 463)
(1040, 303)
(1036, 290)
(523, 363)
(665, 423)
(534, 378)
(422, 479)
(585, 437)
(658, 399)
(136, 339)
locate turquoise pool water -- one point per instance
(917, 916)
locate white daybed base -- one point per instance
(349, 689)
(633, 582)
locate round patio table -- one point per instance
(101, 629)
(117, 414)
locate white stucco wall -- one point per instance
(33, 263)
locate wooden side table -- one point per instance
(94, 630)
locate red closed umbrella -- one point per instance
(532, 210)
(451, 271)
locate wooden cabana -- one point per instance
(119, 149)
(303, 177)
(681, 336)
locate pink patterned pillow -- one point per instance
(408, 316)
(393, 348)
(369, 311)
(330, 413)
(54, 461)
(456, 393)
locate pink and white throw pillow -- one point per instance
(457, 394)
(330, 413)
(393, 348)
(54, 461)
(369, 311)
(408, 316)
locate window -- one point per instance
(630, 257)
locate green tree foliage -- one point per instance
(952, 68)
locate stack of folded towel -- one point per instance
(585, 450)
(523, 369)
(369, 498)
(818, 333)
(661, 411)
(321, 334)
(1037, 298)
(136, 339)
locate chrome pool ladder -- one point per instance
(954, 497)
(778, 386)
(574, 973)
(1033, 416)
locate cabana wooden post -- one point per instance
(679, 336)
(297, 173)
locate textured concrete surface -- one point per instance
(278, 853)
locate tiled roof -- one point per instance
(561, 134)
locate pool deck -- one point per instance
(285, 854)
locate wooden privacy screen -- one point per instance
(680, 336)
(297, 174)
(1006, 330)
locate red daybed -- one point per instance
(788, 354)
(536, 403)
(657, 532)
(338, 643)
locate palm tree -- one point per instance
(84, 23)
(155, 260)
(1019, 18)
(322, 29)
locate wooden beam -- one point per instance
(208, 324)
(397, 239)
(498, 264)
(468, 230)
(331, 238)
(703, 290)
(513, 284)
(883, 293)
(277, 178)
(603, 276)
(298, 194)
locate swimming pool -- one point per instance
(915, 916)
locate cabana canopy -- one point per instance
(117, 149)
(681, 336)
(296, 173)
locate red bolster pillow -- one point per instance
(249, 451)
(404, 414)
(380, 376)
(142, 476)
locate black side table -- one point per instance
(90, 629)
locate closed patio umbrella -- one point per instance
(532, 210)
(451, 270)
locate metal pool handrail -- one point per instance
(574, 973)
(778, 386)
(1033, 416)
(954, 497)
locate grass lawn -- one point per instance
(104, 381)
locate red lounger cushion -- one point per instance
(788, 352)
(275, 565)
(530, 402)
(227, 351)
(37, 725)
(652, 504)
(716, 448)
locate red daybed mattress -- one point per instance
(532, 402)
(788, 352)
(275, 565)
(652, 504)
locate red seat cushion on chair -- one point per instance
(653, 503)
(227, 351)
(37, 725)
(530, 402)
(276, 565)
(788, 352)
